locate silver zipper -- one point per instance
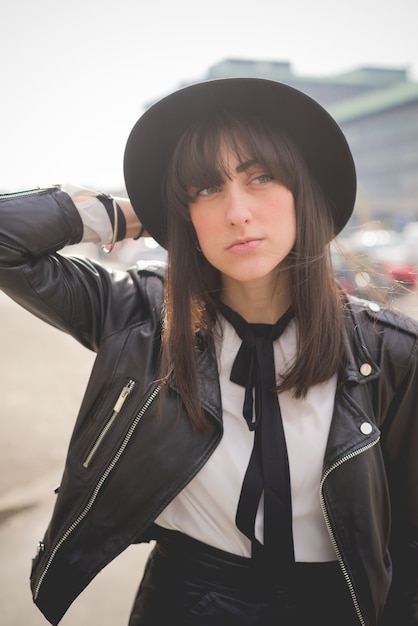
(329, 527)
(124, 394)
(98, 487)
(27, 192)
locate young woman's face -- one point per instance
(247, 225)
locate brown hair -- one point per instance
(193, 285)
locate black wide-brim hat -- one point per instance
(154, 137)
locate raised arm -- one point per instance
(72, 293)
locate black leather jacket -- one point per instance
(127, 460)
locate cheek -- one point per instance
(293, 227)
(194, 217)
(290, 217)
(203, 223)
(284, 222)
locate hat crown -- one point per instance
(154, 137)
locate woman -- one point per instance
(242, 411)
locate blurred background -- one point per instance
(75, 77)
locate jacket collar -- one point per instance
(208, 387)
(361, 366)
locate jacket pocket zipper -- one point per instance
(124, 394)
(97, 488)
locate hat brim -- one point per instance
(157, 132)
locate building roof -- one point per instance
(282, 70)
(372, 102)
(367, 75)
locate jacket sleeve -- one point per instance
(70, 293)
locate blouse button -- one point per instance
(374, 306)
(365, 369)
(366, 428)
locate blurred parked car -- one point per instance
(359, 275)
(388, 250)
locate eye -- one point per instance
(206, 191)
(262, 179)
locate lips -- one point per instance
(244, 245)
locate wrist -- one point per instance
(141, 232)
(116, 216)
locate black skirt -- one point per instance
(188, 583)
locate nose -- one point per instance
(237, 206)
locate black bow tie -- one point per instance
(268, 469)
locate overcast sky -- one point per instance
(76, 74)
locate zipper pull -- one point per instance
(124, 394)
(126, 391)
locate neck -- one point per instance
(257, 302)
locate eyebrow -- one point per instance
(243, 167)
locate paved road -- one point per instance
(43, 374)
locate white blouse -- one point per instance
(205, 509)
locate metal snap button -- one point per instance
(365, 369)
(366, 428)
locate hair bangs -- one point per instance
(200, 159)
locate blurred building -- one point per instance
(377, 108)
(382, 130)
